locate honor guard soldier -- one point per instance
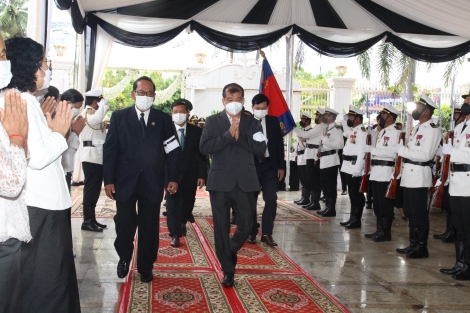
(193, 120)
(466, 98)
(331, 141)
(450, 233)
(353, 165)
(92, 139)
(305, 121)
(416, 176)
(201, 122)
(459, 190)
(382, 168)
(313, 137)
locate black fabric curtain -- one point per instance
(325, 15)
(335, 49)
(136, 40)
(425, 54)
(63, 4)
(178, 9)
(234, 43)
(78, 22)
(261, 12)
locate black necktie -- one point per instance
(464, 125)
(261, 126)
(142, 124)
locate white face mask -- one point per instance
(76, 111)
(5, 73)
(47, 78)
(260, 114)
(143, 103)
(234, 107)
(179, 118)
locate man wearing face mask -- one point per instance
(313, 136)
(353, 165)
(270, 169)
(416, 176)
(459, 190)
(466, 98)
(450, 233)
(92, 139)
(234, 140)
(141, 151)
(305, 121)
(179, 206)
(382, 168)
(331, 141)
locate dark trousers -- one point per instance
(268, 180)
(329, 179)
(383, 207)
(357, 198)
(446, 207)
(10, 276)
(415, 204)
(399, 195)
(221, 202)
(148, 222)
(91, 190)
(305, 181)
(68, 179)
(49, 280)
(461, 217)
(179, 208)
(341, 174)
(313, 174)
(369, 194)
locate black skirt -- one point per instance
(49, 280)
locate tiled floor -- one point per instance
(363, 275)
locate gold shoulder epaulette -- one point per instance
(90, 111)
(338, 127)
(396, 127)
(363, 129)
(411, 131)
(433, 125)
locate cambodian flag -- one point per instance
(277, 104)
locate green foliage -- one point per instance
(359, 102)
(307, 80)
(446, 112)
(124, 99)
(364, 63)
(215, 112)
(386, 54)
(13, 18)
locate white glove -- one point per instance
(103, 101)
(398, 147)
(259, 136)
(438, 183)
(367, 149)
(447, 148)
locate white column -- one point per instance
(340, 94)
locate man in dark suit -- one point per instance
(270, 169)
(233, 139)
(180, 205)
(139, 145)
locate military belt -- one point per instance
(382, 163)
(349, 157)
(311, 146)
(459, 167)
(88, 144)
(428, 163)
(327, 153)
(300, 152)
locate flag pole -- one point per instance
(289, 94)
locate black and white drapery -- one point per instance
(426, 30)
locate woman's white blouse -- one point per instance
(46, 187)
(14, 220)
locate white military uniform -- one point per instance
(460, 181)
(421, 147)
(384, 150)
(300, 151)
(95, 132)
(312, 136)
(354, 147)
(332, 139)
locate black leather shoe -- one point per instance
(164, 213)
(313, 206)
(323, 199)
(90, 226)
(184, 230)
(99, 224)
(229, 280)
(252, 239)
(268, 239)
(404, 250)
(175, 241)
(146, 277)
(300, 200)
(344, 192)
(370, 236)
(122, 269)
(304, 202)
(307, 205)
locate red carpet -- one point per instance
(187, 279)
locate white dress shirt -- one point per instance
(312, 136)
(384, 149)
(354, 146)
(178, 130)
(94, 131)
(460, 181)
(146, 114)
(332, 139)
(45, 179)
(263, 126)
(68, 156)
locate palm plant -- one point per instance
(13, 18)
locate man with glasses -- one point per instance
(140, 143)
(91, 140)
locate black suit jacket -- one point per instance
(275, 143)
(126, 155)
(232, 160)
(194, 163)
